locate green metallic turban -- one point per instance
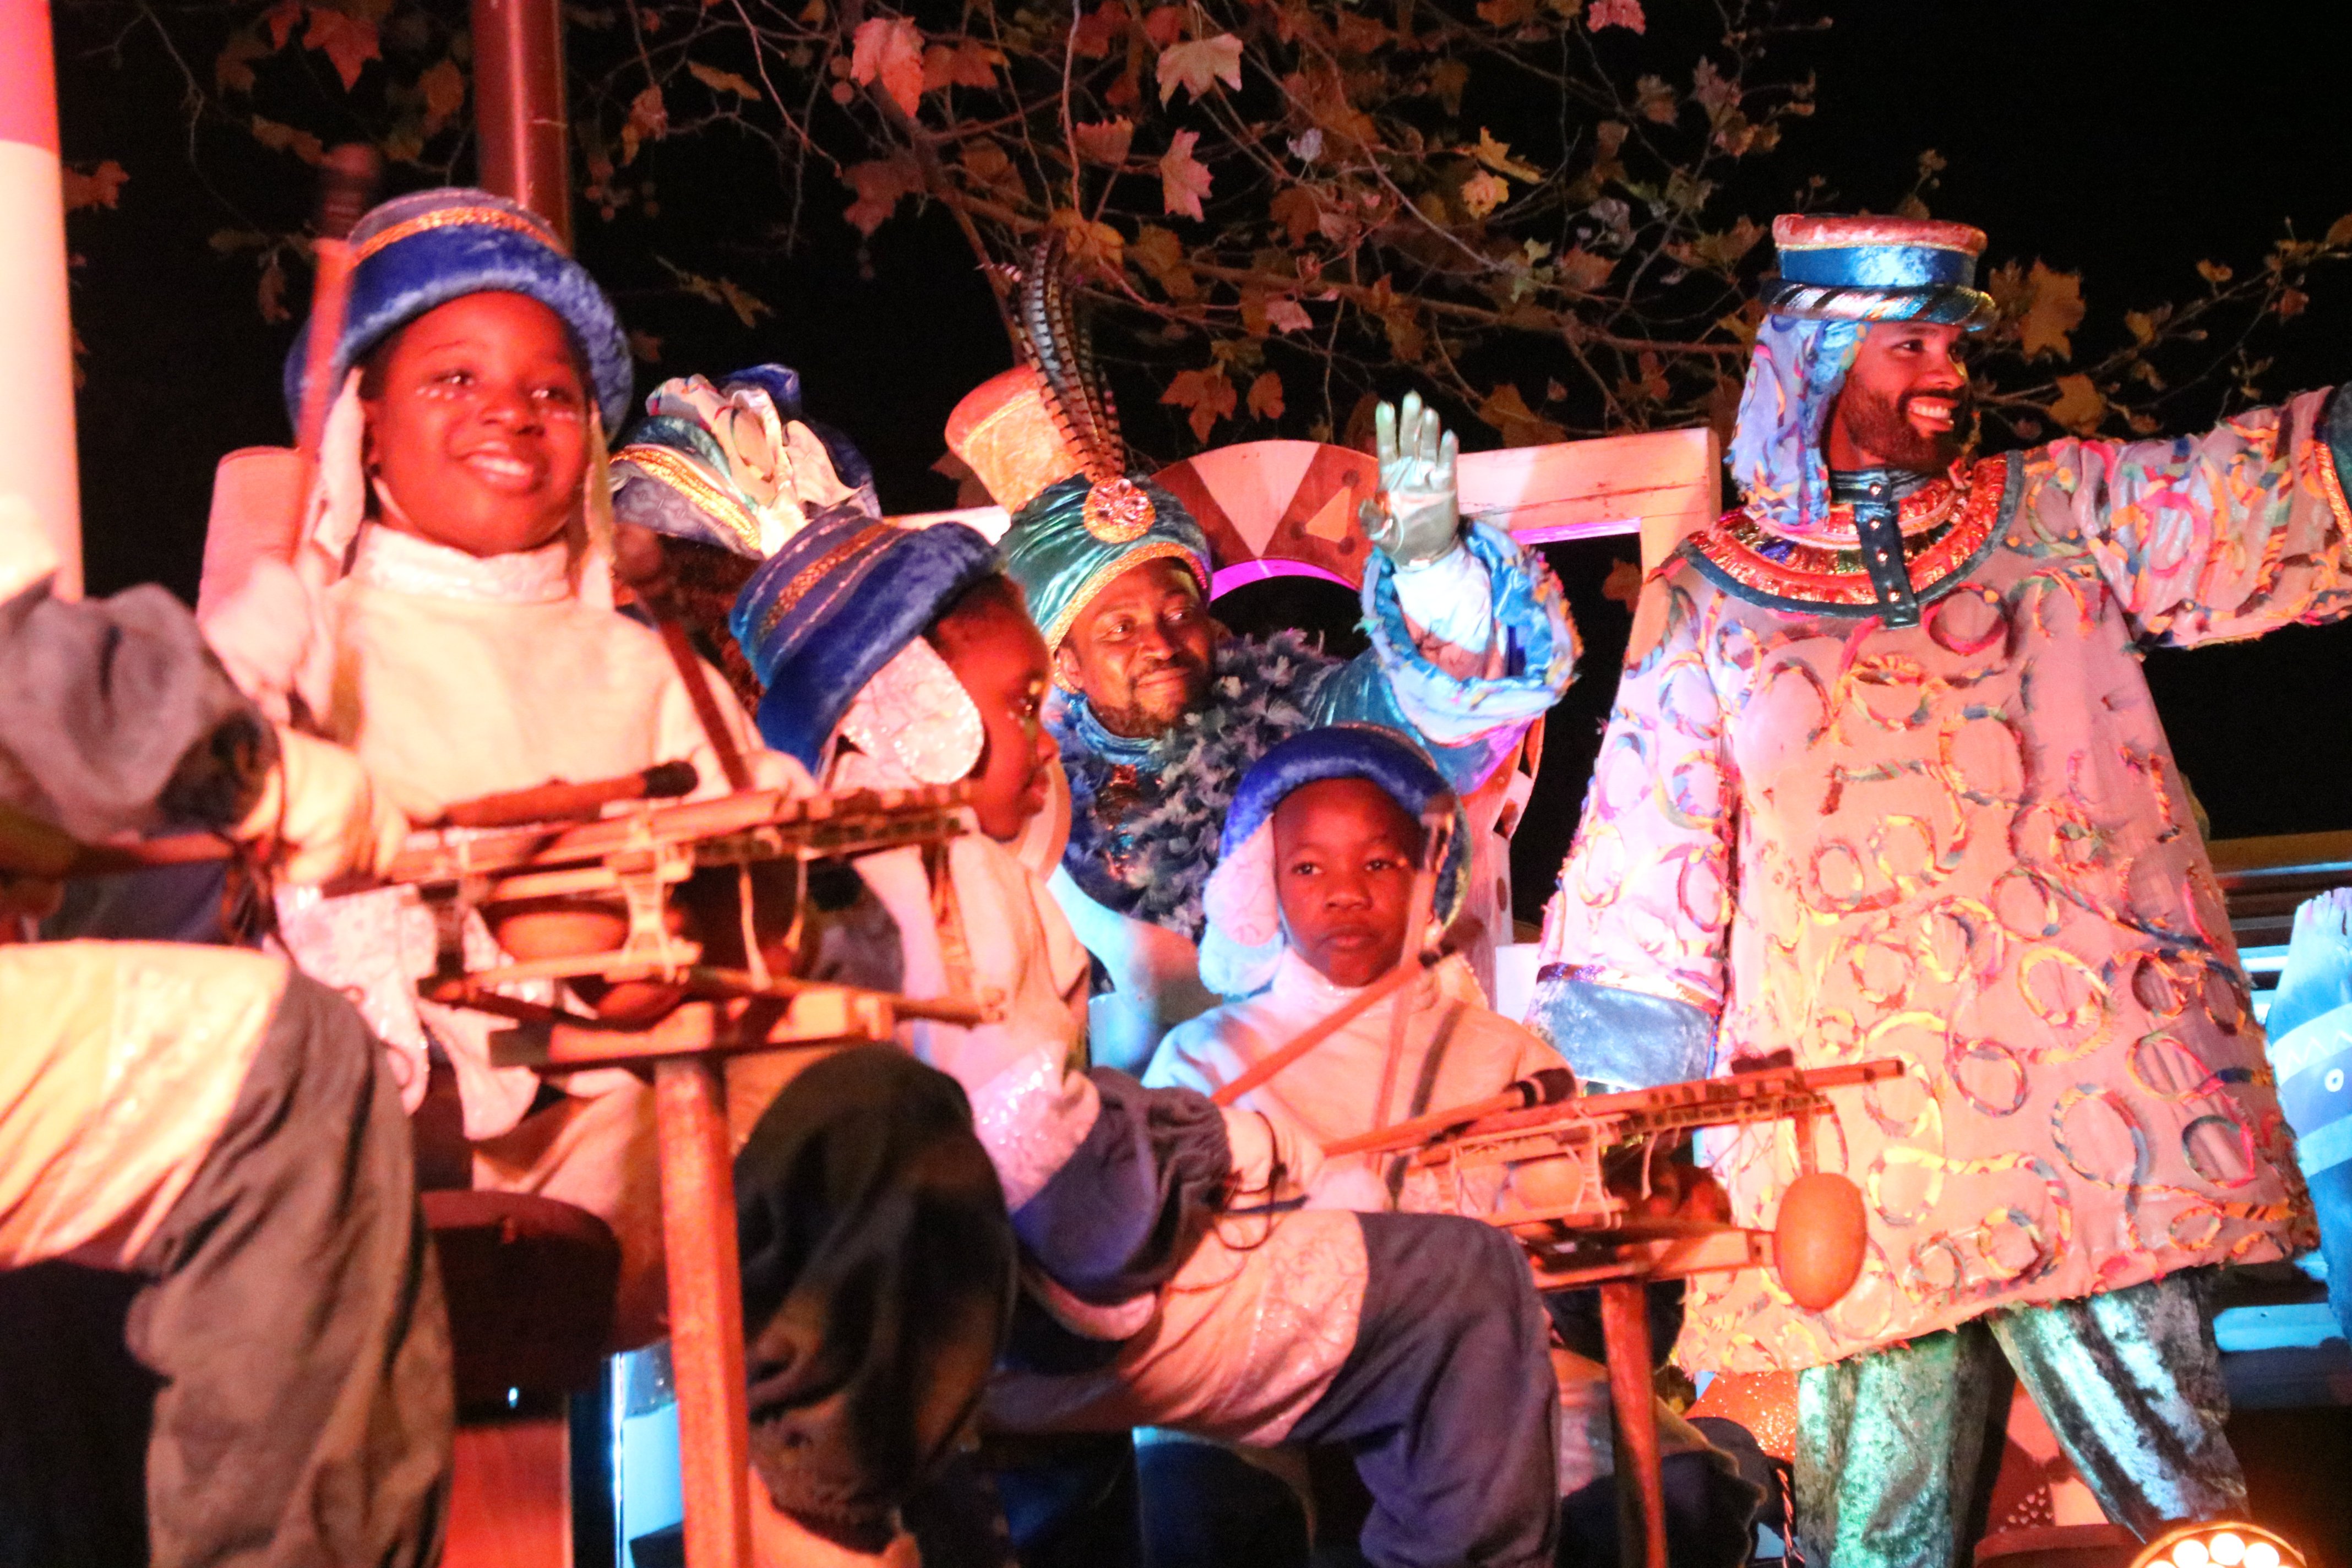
(1066, 545)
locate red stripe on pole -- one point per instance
(28, 82)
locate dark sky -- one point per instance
(2125, 140)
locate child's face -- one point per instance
(479, 428)
(999, 656)
(1344, 856)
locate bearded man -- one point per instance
(1160, 711)
(1883, 779)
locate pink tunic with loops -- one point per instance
(1964, 844)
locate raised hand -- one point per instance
(1418, 516)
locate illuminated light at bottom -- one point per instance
(2219, 1543)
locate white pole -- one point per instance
(38, 465)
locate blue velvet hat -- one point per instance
(1835, 267)
(1244, 940)
(736, 464)
(418, 252)
(838, 602)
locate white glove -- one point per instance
(322, 815)
(1418, 516)
(262, 633)
(1274, 1160)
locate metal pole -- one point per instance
(518, 106)
(39, 470)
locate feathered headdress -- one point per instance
(1055, 343)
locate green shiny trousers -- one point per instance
(1894, 1467)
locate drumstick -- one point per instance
(1465, 932)
(1323, 1028)
(1436, 829)
(1548, 1087)
(31, 847)
(561, 802)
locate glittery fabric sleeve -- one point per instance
(1634, 937)
(2209, 538)
(1469, 722)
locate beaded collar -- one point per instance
(1947, 525)
(400, 562)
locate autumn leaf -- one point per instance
(645, 346)
(1183, 179)
(1359, 34)
(444, 87)
(2339, 233)
(1163, 25)
(2213, 272)
(1162, 255)
(1265, 398)
(889, 49)
(879, 185)
(969, 64)
(1716, 92)
(233, 67)
(2053, 308)
(270, 295)
(719, 80)
(1297, 210)
(1584, 272)
(1481, 192)
(1288, 315)
(2292, 302)
(102, 187)
(1446, 79)
(747, 307)
(1624, 583)
(281, 19)
(1507, 13)
(2079, 408)
(287, 139)
(1106, 141)
(1098, 31)
(1497, 155)
(1207, 393)
(1091, 243)
(648, 120)
(1508, 412)
(347, 42)
(2142, 326)
(1654, 98)
(986, 161)
(1625, 14)
(1194, 66)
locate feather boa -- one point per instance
(1151, 860)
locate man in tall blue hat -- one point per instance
(1884, 779)
(1158, 711)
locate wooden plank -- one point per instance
(1625, 1331)
(706, 1310)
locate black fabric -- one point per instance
(879, 1272)
(115, 716)
(293, 1317)
(1122, 1215)
(1204, 1506)
(1448, 1399)
(1710, 1516)
(74, 1411)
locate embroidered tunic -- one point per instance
(1962, 843)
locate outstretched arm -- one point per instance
(1634, 939)
(2209, 538)
(1470, 637)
